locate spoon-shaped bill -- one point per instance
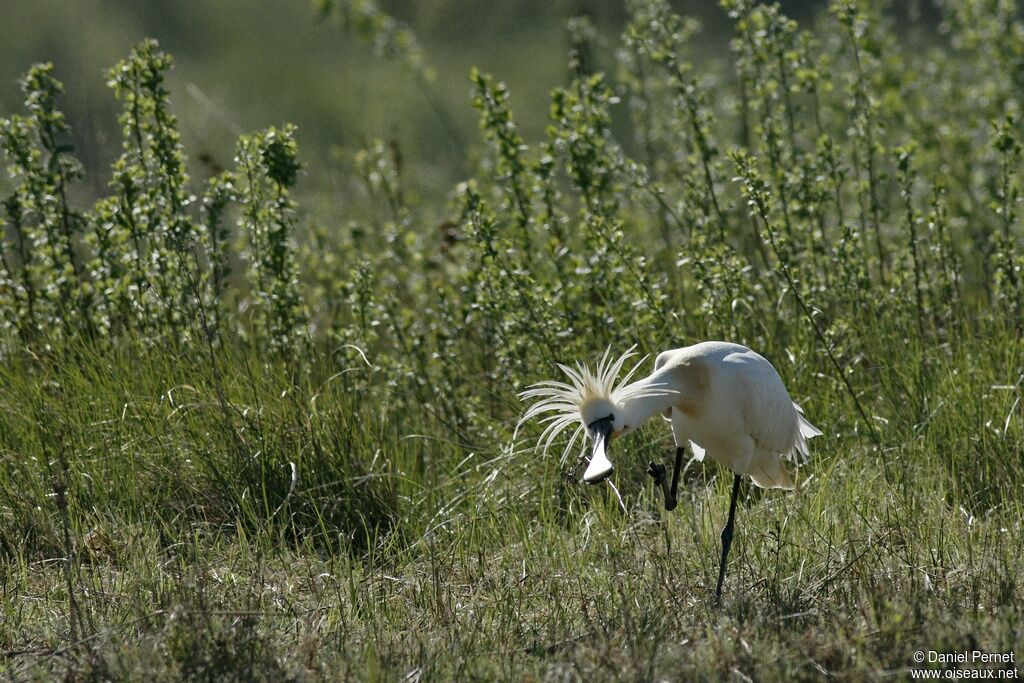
(600, 466)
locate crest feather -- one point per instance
(567, 401)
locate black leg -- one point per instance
(727, 538)
(657, 470)
(675, 473)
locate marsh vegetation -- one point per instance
(242, 439)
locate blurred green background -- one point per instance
(242, 66)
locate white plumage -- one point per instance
(744, 418)
(722, 399)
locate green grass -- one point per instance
(191, 559)
(240, 442)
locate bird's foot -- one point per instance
(657, 471)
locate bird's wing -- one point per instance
(771, 416)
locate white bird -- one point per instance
(722, 399)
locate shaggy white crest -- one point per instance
(569, 401)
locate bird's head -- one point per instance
(592, 401)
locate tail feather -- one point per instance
(801, 453)
(807, 430)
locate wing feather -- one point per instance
(775, 422)
(698, 451)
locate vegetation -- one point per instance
(238, 441)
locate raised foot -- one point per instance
(657, 471)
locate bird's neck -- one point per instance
(637, 410)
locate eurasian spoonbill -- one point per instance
(724, 400)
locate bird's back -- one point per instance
(744, 395)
